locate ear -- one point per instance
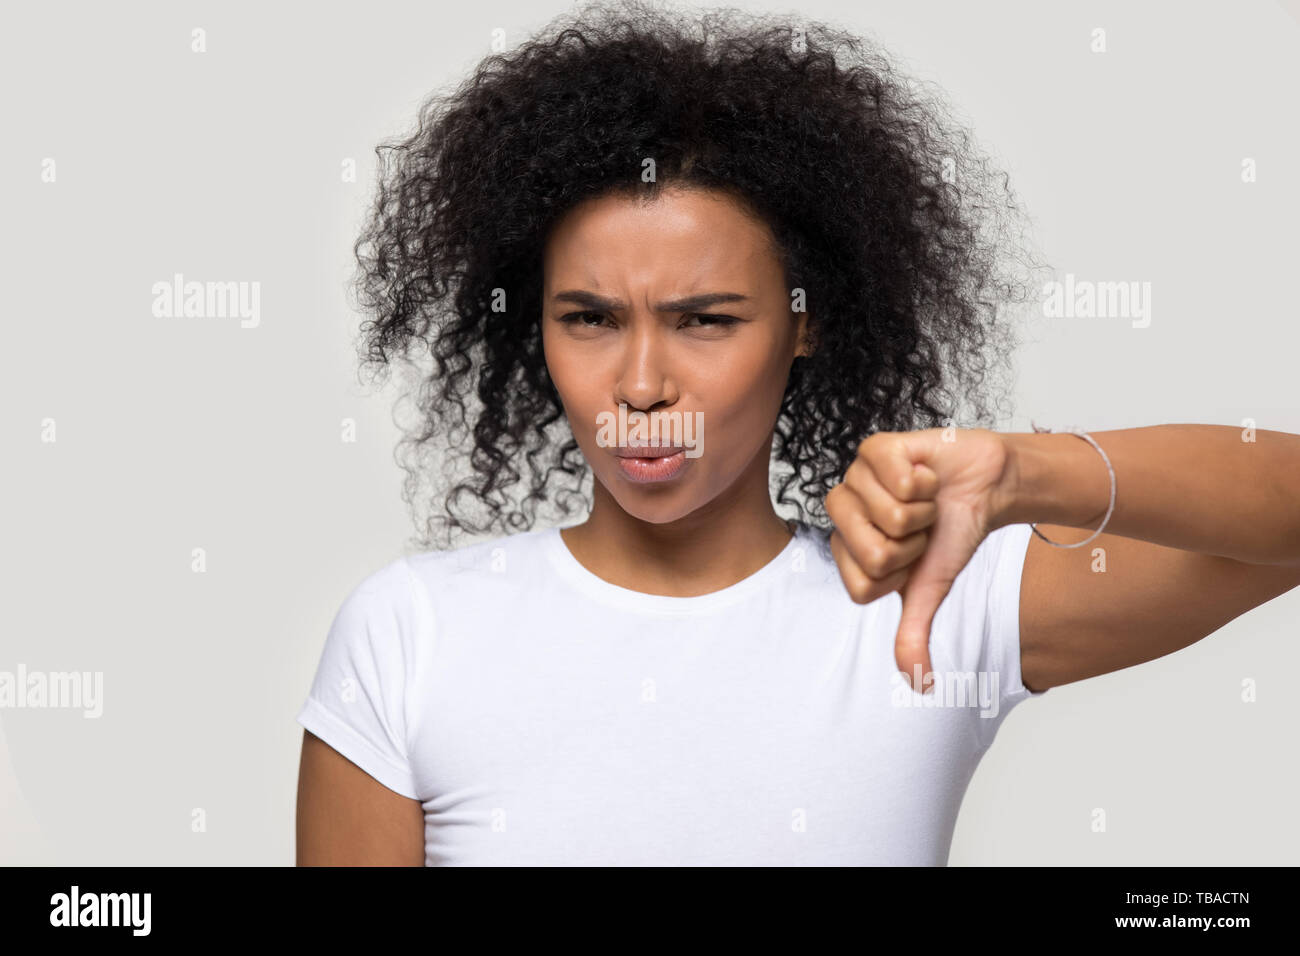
(804, 343)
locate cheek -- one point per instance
(734, 428)
(582, 399)
(743, 395)
(565, 373)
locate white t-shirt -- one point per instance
(544, 716)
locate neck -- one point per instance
(707, 550)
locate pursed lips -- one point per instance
(647, 451)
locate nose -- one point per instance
(645, 378)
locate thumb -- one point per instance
(922, 595)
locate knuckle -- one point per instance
(897, 519)
(834, 498)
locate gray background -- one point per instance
(182, 433)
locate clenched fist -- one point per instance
(911, 511)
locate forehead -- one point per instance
(687, 233)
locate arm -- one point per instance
(347, 818)
(1206, 526)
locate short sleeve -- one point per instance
(1007, 547)
(978, 626)
(357, 701)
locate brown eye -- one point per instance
(578, 318)
(714, 321)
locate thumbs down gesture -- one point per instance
(910, 513)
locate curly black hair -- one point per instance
(896, 228)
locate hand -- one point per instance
(911, 511)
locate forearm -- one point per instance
(1194, 487)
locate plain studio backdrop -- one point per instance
(1169, 159)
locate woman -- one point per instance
(671, 253)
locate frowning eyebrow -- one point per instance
(691, 303)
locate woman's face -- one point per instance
(677, 309)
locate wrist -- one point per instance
(1050, 478)
(1003, 509)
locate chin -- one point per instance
(653, 504)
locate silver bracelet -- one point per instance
(1073, 430)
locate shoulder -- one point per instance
(485, 562)
(417, 589)
(386, 587)
(409, 594)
